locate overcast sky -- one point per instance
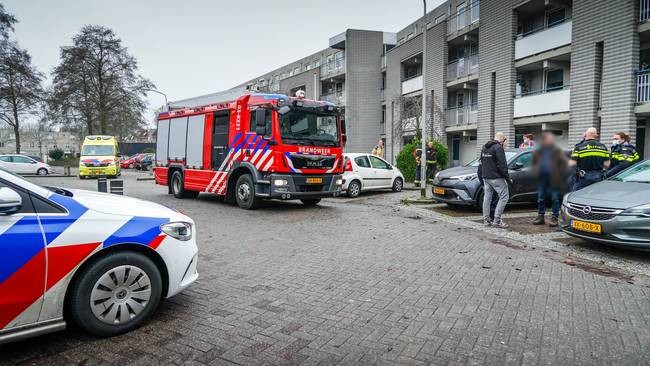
(194, 47)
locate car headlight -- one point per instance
(339, 182)
(465, 177)
(565, 200)
(281, 182)
(643, 210)
(436, 176)
(178, 230)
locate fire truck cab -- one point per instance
(259, 146)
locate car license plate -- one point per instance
(440, 191)
(314, 180)
(587, 226)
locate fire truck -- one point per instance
(253, 148)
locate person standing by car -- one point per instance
(432, 163)
(591, 158)
(529, 142)
(549, 165)
(494, 169)
(378, 150)
(623, 154)
(495, 198)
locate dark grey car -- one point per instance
(460, 185)
(615, 211)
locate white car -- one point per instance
(365, 172)
(106, 260)
(22, 164)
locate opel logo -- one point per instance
(586, 210)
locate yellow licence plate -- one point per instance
(587, 226)
(314, 180)
(440, 191)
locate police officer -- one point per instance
(432, 163)
(623, 154)
(591, 159)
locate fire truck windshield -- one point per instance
(302, 126)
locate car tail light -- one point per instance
(348, 165)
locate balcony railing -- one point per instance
(643, 86)
(337, 98)
(458, 116)
(334, 67)
(462, 67)
(543, 39)
(547, 101)
(644, 10)
(412, 84)
(463, 18)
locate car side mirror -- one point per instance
(390, 167)
(10, 201)
(260, 121)
(517, 166)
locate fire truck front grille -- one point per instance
(310, 188)
(312, 161)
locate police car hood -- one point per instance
(612, 194)
(120, 205)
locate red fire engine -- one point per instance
(259, 146)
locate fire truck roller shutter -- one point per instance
(162, 141)
(177, 138)
(195, 130)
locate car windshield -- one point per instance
(98, 150)
(509, 156)
(639, 173)
(309, 127)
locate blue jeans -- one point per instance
(543, 188)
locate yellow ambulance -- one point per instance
(99, 156)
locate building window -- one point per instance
(554, 79)
(555, 17)
(383, 114)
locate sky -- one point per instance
(194, 47)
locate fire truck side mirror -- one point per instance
(260, 121)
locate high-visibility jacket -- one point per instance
(622, 156)
(590, 155)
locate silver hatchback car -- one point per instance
(615, 211)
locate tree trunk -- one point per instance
(17, 129)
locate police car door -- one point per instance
(22, 259)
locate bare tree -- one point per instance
(38, 132)
(408, 116)
(96, 83)
(7, 22)
(20, 87)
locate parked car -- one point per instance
(36, 157)
(23, 164)
(127, 163)
(145, 162)
(365, 172)
(460, 185)
(106, 259)
(615, 211)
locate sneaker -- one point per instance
(500, 224)
(539, 220)
(487, 222)
(553, 222)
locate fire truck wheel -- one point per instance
(310, 202)
(245, 193)
(177, 187)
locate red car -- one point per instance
(130, 162)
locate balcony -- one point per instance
(463, 18)
(644, 10)
(459, 116)
(543, 39)
(337, 98)
(411, 85)
(462, 67)
(547, 101)
(643, 86)
(332, 68)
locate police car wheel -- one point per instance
(398, 184)
(245, 193)
(115, 294)
(354, 189)
(310, 202)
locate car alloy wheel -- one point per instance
(41, 171)
(398, 185)
(120, 294)
(354, 189)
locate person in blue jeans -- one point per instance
(549, 164)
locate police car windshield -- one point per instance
(97, 150)
(305, 126)
(639, 173)
(509, 156)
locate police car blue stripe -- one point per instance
(19, 243)
(138, 230)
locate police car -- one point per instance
(101, 261)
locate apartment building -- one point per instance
(521, 66)
(39, 143)
(347, 73)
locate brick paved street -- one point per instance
(366, 281)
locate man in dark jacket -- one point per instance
(549, 165)
(494, 169)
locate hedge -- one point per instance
(406, 160)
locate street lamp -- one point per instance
(423, 158)
(161, 93)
